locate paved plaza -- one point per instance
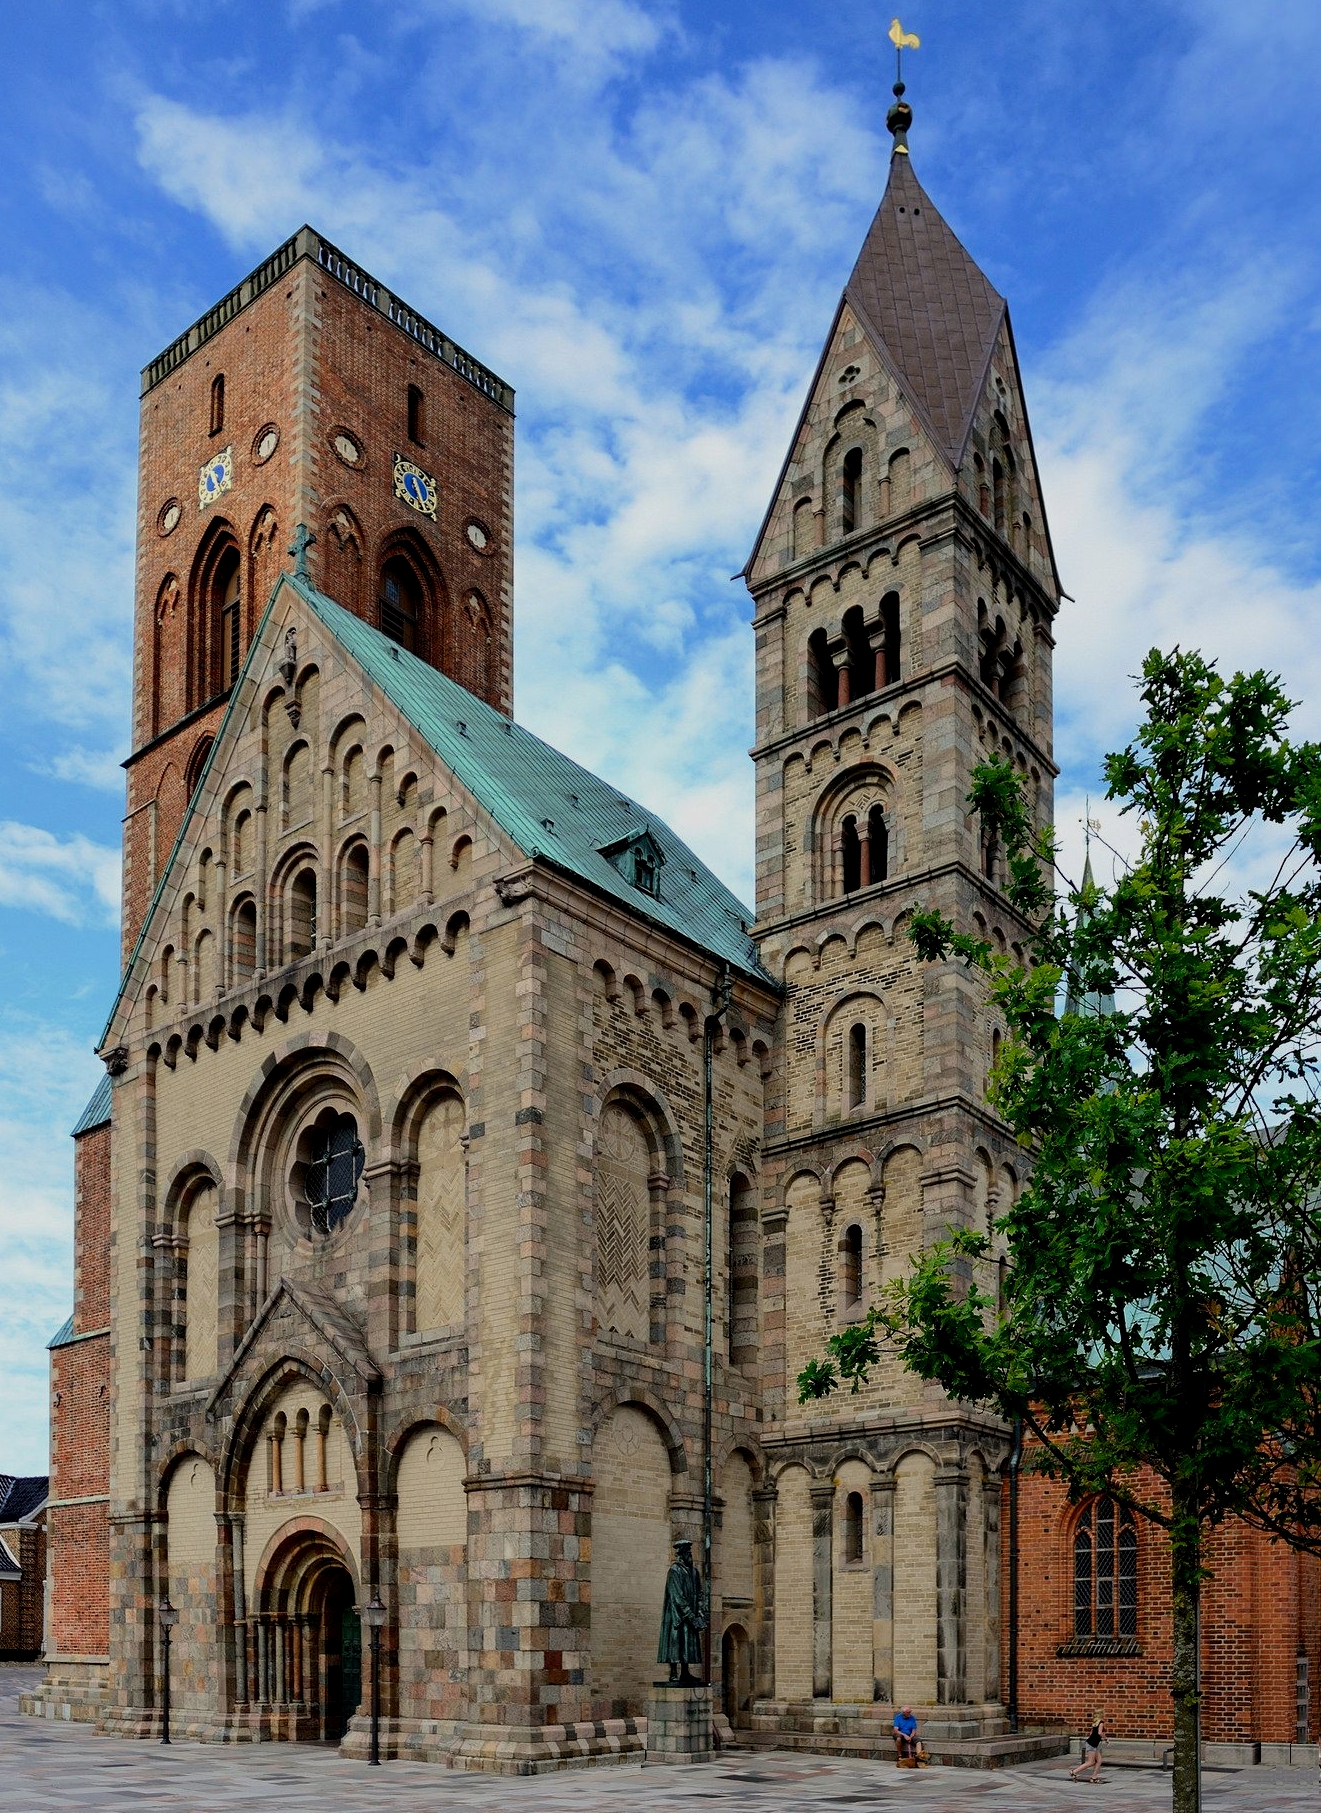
(47, 1767)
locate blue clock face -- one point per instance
(215, 477)
(414, 487)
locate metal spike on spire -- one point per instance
(900, 116)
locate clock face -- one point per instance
(347, 448)
(215, 478)
(266, 443)
(414, 487)
(169, 516)
(479, 537)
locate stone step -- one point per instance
(999, 1752)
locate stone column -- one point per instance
(374, 855)
(822, 1495)
(763, 1589)
(877, 639)
(882, 1586)
(774, 1229)
(240, 1611)
(326, 915)
(991, 1539)
(951, 1586)
(263, 1681)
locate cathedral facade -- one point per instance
(431, 1049)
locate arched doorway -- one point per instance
(736, 1675)
(302, 1644)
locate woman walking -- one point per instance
(1091, 1751)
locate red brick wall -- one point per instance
(20, 1618)
(80, 1422)
(1261, 1601)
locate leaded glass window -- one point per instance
(1105, 1571)
(333, 1172)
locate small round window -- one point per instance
(332, 1170)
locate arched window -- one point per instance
(983, 489)
(243, 942)
(231, 617)
(878, 846)
(998, 493)
(887, 656)
(196, 764)
(302, 915)
(825, 675)
(853, 1527)
(990, 853)
(333, 1170)
(850, 1253)
(353, 889)
(1105, 1571)
(218, 403)
(857, 1090)
(850, 854)
(416, 415)
(851, 492)
(861, 661)
(401, 603)
(804, 528)
(742, 1295)
(901, 481)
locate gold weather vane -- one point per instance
(902, 41)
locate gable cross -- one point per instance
(303, 540)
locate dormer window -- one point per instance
(639, 859)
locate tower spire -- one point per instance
(900, 116)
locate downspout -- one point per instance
(1015, 1462)
(720, 998)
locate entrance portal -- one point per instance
(300, 1653)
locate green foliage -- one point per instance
(1161, 1303)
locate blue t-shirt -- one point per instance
(905, 1722)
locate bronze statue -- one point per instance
(683, 1618)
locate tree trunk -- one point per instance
(1186, 1574)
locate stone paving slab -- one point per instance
(48, 1767)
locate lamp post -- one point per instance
(374, 1614)
(168, 1618)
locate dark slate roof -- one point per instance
(9, 1568)
(22, 1497)
(548, 805)
(97, 1111)
(62, 1336)
(932, 313)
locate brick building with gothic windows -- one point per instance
(389, 1223)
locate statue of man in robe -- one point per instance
(683, 1619)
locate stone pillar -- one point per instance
(774, 1229)
(263, 1683)
(882, 1586)
(951, 1586)
(374, 855)
(822, 1494)
(991, 1539)
(877, 640)
(840, 656)
(763, 1588)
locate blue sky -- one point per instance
(641, 214)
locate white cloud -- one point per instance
(99, 768)
(71, 879)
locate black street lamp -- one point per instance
(375, 1616)
(168, 1618)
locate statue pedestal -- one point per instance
(679, 1725)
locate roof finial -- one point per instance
(303, 539)
(900, 116)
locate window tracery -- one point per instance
(332, 1172)
(1105, 1571)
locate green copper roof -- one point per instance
(97, 1111)
(547, 804)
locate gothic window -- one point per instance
(850, 1267)
(742, 1273)
(332, 1171)
(857, 1082)
(401, 603)
(1105, 1571)
(623, 1223)
(218, 403)
(825, 677)
(851, 492)
(302, 920)
(231, 620)
(416, 415)
(853, 1527)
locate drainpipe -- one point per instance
(720, 999)
(1015, 1462)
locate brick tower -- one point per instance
(904, 594)
(309, 394)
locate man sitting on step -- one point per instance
(908, 1750)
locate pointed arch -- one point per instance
(214, 614)
(411, 601)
